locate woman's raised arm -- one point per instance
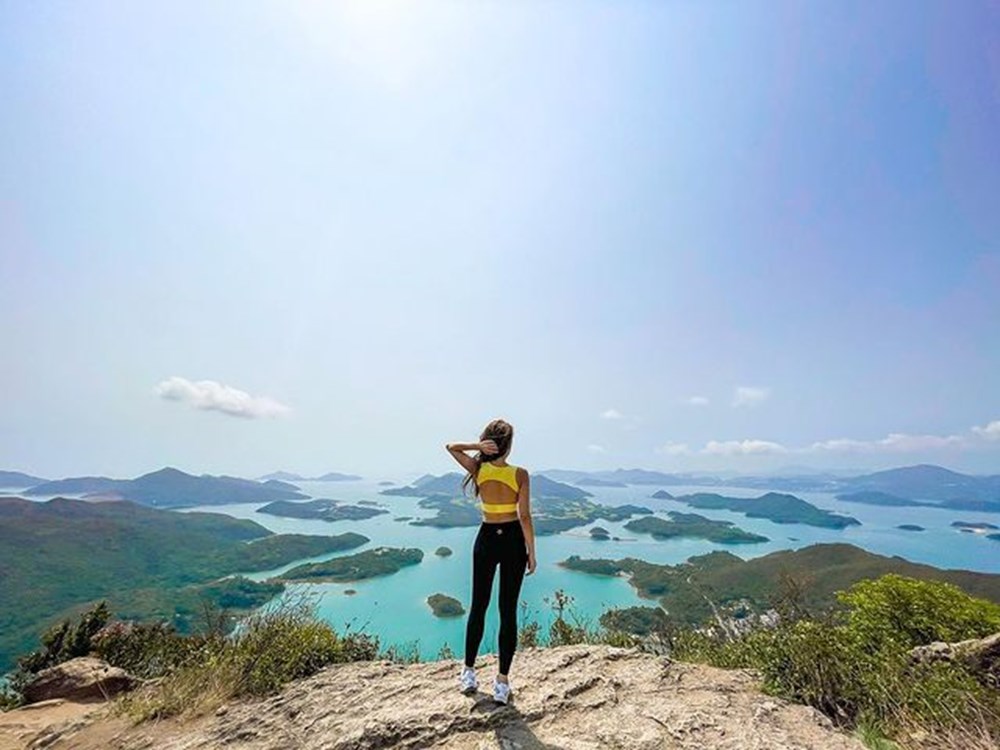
(458, 452)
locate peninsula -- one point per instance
(820, 570)
(146, 562)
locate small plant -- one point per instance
(527, 633)
(9, 699)
(562, 632)
(402, 653)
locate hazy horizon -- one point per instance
(314, 237)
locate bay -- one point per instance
(394, 607)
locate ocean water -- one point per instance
(395, 609)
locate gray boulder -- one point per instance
(80, 679)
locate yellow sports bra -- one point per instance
(505, 474)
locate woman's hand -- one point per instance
(487, 447)
(531, 562)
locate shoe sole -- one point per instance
(470, 690)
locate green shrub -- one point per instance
(67, 640)
(635, 620)
(898, 612)
(62, 642)
(150, 650)
(855, 665)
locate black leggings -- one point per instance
(501, 543)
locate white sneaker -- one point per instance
(501, 691)
(467, 680)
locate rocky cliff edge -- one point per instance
(566, 698)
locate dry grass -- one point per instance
(272, 647)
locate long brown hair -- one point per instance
(500, 432)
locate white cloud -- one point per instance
(913, 443)
(611, 414)
(990, 432)
(594, 448)
(742, 448)
(896, 442)
(698, 401)
(839, 445)
(747, 395)
(210, 395)
(674, 449)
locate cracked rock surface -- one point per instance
(567, 698)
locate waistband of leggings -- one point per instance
(501, 525)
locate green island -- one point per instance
(693, 525)
(380, 561)
(443, 551)
(403, 518)
(445, 606)
(817, 571)
(600, 533)
(774, 506)
(320, 510)
(911, 527)
(60, 555)
(662, 495)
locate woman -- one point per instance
(506, 538)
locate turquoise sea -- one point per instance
(394, 607)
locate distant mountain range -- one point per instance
(15, 480)
(171, 488)
(451, 484)
(934, 483)
(911, 485)
(333, 476)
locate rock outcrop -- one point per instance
(980, 655)
(567, 698)
(81, 679)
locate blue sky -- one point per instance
(236, 237)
